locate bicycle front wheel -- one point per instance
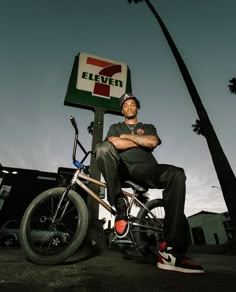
(47, 240)
(150, 228)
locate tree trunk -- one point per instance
(223, 169)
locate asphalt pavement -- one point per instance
(113, 271)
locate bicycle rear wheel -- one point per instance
(48, 242)
(150, 230)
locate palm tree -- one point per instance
(232, 85)
(223, 169)
(90, 128)
(198, 128)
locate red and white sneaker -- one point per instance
(121, 220)
(169, 260)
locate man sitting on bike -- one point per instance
(126, 154)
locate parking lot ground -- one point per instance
(112, 271)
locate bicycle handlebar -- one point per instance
(74, 124)
(77, 143)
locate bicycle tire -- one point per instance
(36, 230)
(146, 239)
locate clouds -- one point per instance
(200, 194)
(39, 40)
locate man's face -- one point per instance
(129, 109)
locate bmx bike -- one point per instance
(55, 223)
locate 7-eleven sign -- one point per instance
(97, 82)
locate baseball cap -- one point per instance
(127, 96)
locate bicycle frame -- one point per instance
(79, 174)
(64, 210)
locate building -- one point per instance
(209, 228)
(18, 187)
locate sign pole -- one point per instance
(95, 234)
(93, 206)
(97, 83)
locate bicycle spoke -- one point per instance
(48, 237)
(43, 230)
(148, 229)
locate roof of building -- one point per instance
(203, 213)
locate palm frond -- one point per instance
(90, 128)
(198, 128)
(232, 85)
(135, 1)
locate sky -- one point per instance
(39, 40)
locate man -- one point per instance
(126, 154)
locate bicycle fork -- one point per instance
(68, 188)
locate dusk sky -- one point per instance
(39, 40)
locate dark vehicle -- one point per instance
(9, 235)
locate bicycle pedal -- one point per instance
(124, 242)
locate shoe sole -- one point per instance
(178, 269)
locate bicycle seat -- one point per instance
(134, 186)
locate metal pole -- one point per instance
(217, 187)
(93, 206)
(95, 234)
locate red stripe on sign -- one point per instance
(104, 89)
(97, 62)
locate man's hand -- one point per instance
(126, 141)
(147, 141)
(121, 143)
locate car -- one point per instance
(9, 235)
(52, 238)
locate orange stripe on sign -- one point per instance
(97, 62)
